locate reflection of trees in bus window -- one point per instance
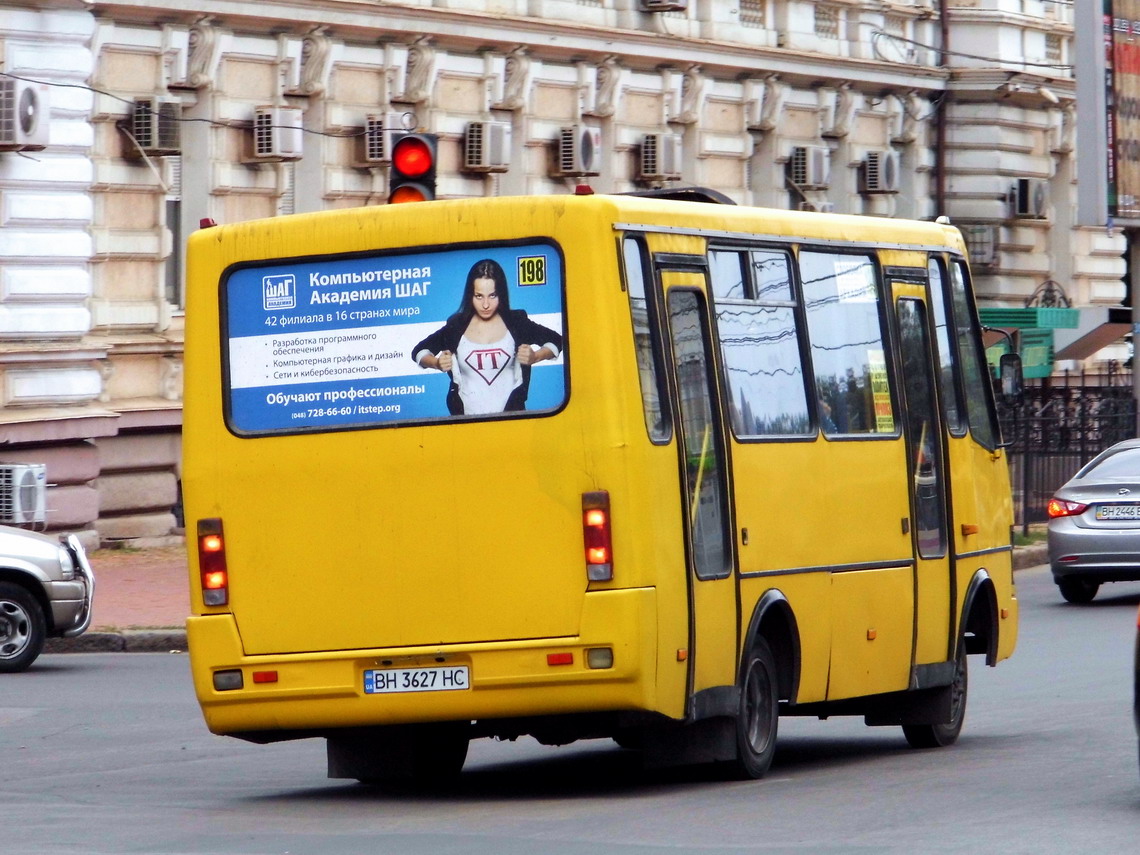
(841, 300)
(975, 372)
(647, 369)
(756, 322)
(699, 435)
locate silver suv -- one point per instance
(46, 589)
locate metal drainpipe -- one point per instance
(940, 117)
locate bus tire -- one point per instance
(758, 717)
(941, 735)
(23, 628)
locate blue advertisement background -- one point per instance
(424, 301)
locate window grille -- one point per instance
(752, 13)
(827, 22)
(1053, 48)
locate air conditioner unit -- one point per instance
(660, 156)
(1029, 198)
(487, 147)
(981, 243)
(809, 167)
(156, 125)
(376, 144)
(880, 172)
(664, 5)
(23, 493)
(24, 113)
(277, 133)
(580, 150)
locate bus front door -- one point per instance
(713, 596)
(927, 474)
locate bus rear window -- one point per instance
(328, 343)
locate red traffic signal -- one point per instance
(412, 177)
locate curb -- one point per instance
(1030, 556)
(174, 640)
(128, 641)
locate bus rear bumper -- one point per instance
(299, 694)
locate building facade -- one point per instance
(153, 118)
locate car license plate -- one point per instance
(1118, 512)
(444, 678)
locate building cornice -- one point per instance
(557, 39)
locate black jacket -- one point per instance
(522, 329)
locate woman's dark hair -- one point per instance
(487, 268)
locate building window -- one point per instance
(172, 285)
(827, 22)
(1053, 48)
(752, 13)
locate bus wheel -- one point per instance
(941, 735)
(758, 717)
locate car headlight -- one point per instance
(66, 565)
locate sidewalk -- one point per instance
(142, 599)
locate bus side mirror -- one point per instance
(1009, 371)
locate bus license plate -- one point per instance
(1118, 512)
(447, 678)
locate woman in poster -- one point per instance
(487, 347)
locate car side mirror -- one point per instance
(1009, 372)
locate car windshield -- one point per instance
(1122, 464)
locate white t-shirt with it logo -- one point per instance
(488, 373)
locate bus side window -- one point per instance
(845, 328)
(759, 341)
(975, 371)
(947, 365)
(635, 255)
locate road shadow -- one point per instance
(599, 769)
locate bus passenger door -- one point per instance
(708, 522)
(922, 428)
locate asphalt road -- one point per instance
(107, 753)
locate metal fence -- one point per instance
(1057, 427)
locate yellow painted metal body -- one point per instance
(463, 541)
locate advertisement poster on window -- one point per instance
(1124, 110)
(365, 341)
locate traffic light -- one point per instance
(412, 177)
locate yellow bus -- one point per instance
(659, 470)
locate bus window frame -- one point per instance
(870, 251)
(651, 282)
(945, 302)
(803, 346)
(424, 249)
(971, 308)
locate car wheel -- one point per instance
(22, 628)
(1077, 590)
(941, 735)
(758, 717)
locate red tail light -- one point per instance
(1062, 508)
(212, 563)
(596, 536)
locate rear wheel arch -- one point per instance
(775, 622)
(978, 628)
